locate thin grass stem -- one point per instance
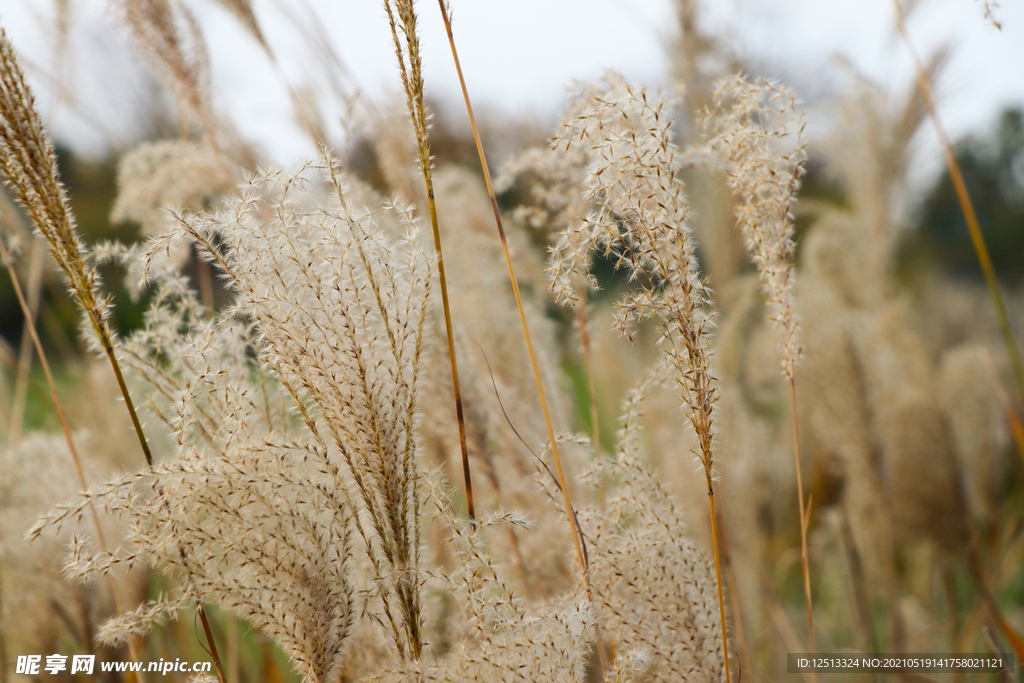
(805, 514)
(116, 366)
(25, 351)
(577, 541)
(1016, 428)
(718, 574)
(515, 290)
(988, 600)
(456, 385)
(412, 81)
(966, 206)
(733, 596)
(213, 644)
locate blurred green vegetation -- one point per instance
(993, 169)
(92, 187)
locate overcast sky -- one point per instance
(518, 55)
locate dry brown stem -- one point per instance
(966, 205)
(410, 67)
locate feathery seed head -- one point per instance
(260, 512)
(747, 127)
(641, 217)
(29, 166)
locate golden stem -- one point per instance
(456, 386)
(804, 521)
(734, 598)
(577, 541)
(718, 573)
(966, 206)
(213, 645)
(519, 302)
(108, 347)
(25, 352)
(414, 94)
(1016, 428)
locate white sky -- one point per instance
(518, 55)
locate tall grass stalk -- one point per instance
(730, 573)
(985, 261)
(966, 205)
(805, 520)
(569, 511)
(641, 216)
(25, 352)
(718, 572)
(765, 180)
(1012, 418)
(412, 82)
(208, 632)
(577, 542)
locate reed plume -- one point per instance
(41, 611)
(302, 427)
(156, 177)
(747, 127)
(263, 512)
(642, 219)
(402, 20)
(747, 133)
(167, 37)
(656, 591)
(503, 638)
(29, 165)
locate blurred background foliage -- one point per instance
(992, 162)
